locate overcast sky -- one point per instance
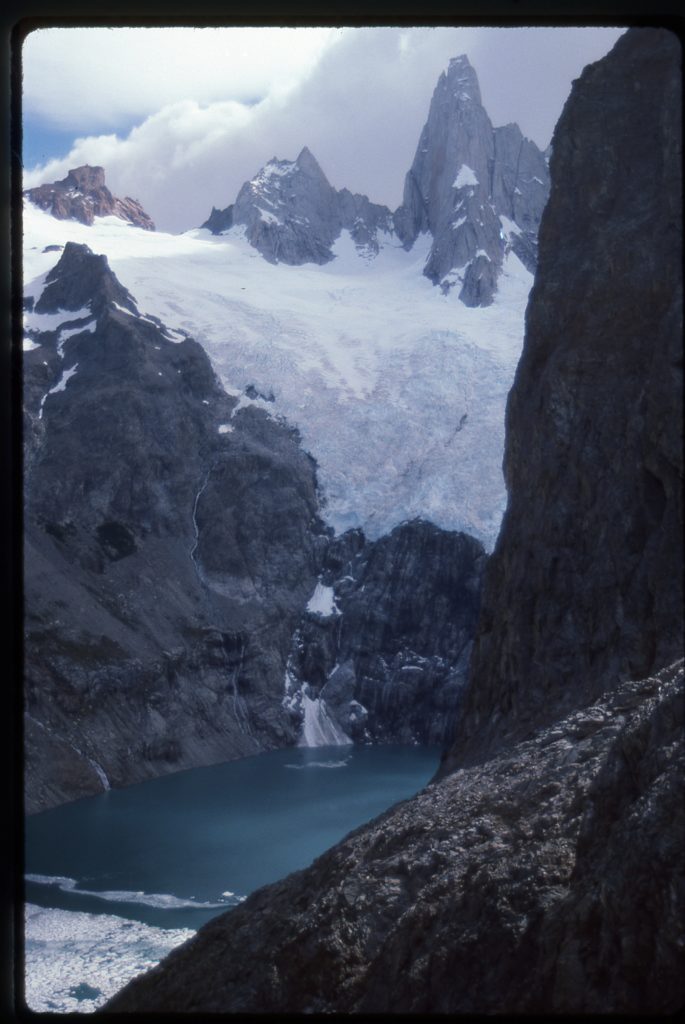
(181, 117)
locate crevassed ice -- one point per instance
(372, 363)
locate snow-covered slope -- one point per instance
(398, 390)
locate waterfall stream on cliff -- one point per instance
(318, 728)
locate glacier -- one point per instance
(398, 390)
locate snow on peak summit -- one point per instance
(292, 214)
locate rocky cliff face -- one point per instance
(583, 573)
(543, 872)
(385, 643)
(292, 214)
(83, 195)
(467, 176)
(170, 548)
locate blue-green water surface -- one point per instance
(175, 851)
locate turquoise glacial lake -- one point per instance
(176, 851)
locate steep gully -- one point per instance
(542, 871)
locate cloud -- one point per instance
(359, 104)
(77, 77)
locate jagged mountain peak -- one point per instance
(461, 77)
(467, 175)
(478, 190)
(277, 174)
(83, 195)
(81, 278)
(306, 159)
(292, 214)
(270, 175)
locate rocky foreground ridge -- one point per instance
(543, 871)
(519, 885)
(173, 548)
(478, 191)
(83, 195)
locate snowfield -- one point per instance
(398, 390)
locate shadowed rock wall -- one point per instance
(584, 587)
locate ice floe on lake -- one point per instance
(74, 961)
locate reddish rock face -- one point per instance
(83, 195)
(85, 178)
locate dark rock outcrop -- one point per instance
(583, 572)
(81, 279)
(83, 195)
(292, 214)
(517, 886)
(170, 549)
(465, 177)
(542, 872)
(388, 653)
